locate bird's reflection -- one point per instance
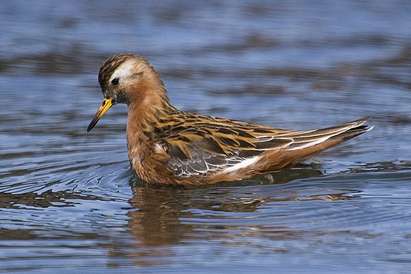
(156, 220)
(162, 217)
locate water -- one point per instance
(69, 202)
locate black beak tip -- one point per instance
(91, 126)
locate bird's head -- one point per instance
(127, 79)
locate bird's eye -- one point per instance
(115, 81)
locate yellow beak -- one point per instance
(105, 106)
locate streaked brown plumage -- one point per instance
(169, 146)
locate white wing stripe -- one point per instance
(242, 164)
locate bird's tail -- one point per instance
(307, 143)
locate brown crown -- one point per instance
(109, 66)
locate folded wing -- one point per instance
(211, 145)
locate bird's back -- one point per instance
(215, 149)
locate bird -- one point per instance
(168, 146)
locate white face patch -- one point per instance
(123, 71)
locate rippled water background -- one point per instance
(69, 203)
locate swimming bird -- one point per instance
(170, 146)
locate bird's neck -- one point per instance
(145, 116)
